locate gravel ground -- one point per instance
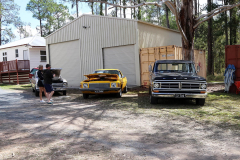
(73, 128)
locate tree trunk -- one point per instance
(77, 7)
(41, 27)
(120, 9)
(226, 23)
(187, 22)
(115, 8)
(124, 9)
(198, 9)
(195, 7)
(92, 8)
(105, 9)
(101, 9)
(139, 11)
(233, 24)
(167, 20)
(134, 11)
(210, 67)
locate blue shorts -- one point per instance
(48, 88)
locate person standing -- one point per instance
(48, 82)
(40, 82)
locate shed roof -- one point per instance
(89, 15)
(30, 41)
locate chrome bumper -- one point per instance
(99, 89)
(172, 95)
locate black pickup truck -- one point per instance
(176, 79)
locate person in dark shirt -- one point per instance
(48, 83)
(40, 84)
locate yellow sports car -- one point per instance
(104, 81)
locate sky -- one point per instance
(26, 16)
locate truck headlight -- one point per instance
(85, 85)
(64, 84)
(203, 86)
(156, 85)
(113, 85)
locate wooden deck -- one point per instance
(14, 72)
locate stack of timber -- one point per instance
(150, 55)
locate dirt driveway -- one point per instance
(101, 128)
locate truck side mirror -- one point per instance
(150, 68)
(198, 69)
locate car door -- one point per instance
(33, 80)
(123, 80)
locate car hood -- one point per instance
(56, 71)
(178, 76)
(102, 76)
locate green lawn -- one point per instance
(15, 87)
(220, 109)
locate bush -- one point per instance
(215, 78)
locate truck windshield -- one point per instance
(175, 67)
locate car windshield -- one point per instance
(107, 71)
(174, 67)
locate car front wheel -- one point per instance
(119, 95)
(64, 93)
(125, 90)
(85, 96)
(200, 101)
(36, 93)
(153, 100)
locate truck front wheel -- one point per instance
(200, 101)
(153, 100)
(85, 96)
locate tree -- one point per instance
(8, 15)
(24, 29)
(74, 3)
(185, 19)
(210, 68)
(39, 8)
(52, 16)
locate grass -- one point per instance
(220, 109)
(15, 87)
(215, 78)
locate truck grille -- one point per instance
(99, 85)
(190, 86)
(169, 85)
(178, 85)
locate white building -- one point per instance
(31, 48)
(93, 42)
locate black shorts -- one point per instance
(40, 83)
(48, 88)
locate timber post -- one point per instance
(17, 71)
(8, 73)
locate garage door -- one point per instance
(66, 56)
(122, 58)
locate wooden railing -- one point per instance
(14, 66)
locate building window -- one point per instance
(43, 56)
(4, 56)
(16, 53)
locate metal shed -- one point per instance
(93, 42)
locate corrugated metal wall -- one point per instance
(154, 36)
(100, 32)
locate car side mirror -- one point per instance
(150, 68)
(198, 69)
(123, 76)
